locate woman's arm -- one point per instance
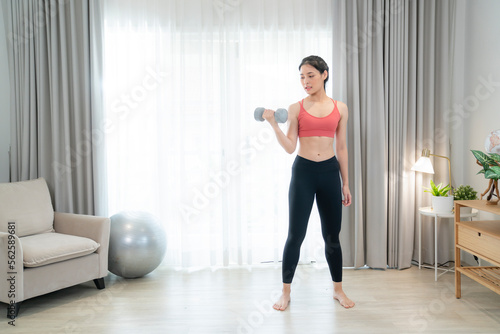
(341, 152)
(288, 141)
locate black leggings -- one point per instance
(322, 179)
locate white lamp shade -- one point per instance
(423, 165)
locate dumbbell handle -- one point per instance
(280, 115)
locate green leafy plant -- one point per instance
(490, 163)
(465, 193)
(438, 190)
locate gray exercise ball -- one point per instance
(137, 244)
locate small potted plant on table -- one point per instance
(465, 193)
(441, 202)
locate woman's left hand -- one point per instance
(347, 196)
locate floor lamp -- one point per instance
(424, 164)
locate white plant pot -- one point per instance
(442, 204)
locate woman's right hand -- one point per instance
(268, 115)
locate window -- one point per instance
(182, 142)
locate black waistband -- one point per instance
(316, 166)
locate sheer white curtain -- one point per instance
(182, 79)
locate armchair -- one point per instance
(42, 251)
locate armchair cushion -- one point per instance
(28, 204)
(46, 248)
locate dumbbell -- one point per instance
(281, 115)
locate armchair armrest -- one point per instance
(11, 285)
(92, 227)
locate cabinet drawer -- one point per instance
(485, 244)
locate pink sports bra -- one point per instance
(311, 126)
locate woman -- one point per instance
(315, 122)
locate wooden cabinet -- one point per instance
(480, 238)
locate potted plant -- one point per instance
(491, 170)
(465, 193)
(441, 202)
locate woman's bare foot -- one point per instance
(282, 303)
(338, 294)
(284, 300)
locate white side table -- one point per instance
(427, 211)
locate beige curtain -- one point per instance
(392, 63)
(358, 70)
(55, 70)
(417, 94)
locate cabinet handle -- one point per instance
(478, 234)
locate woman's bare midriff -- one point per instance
(316, 148)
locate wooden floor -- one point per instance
(238, 300)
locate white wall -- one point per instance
(477, 89)
(480, 113)
(4, 104)
(481, 83)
